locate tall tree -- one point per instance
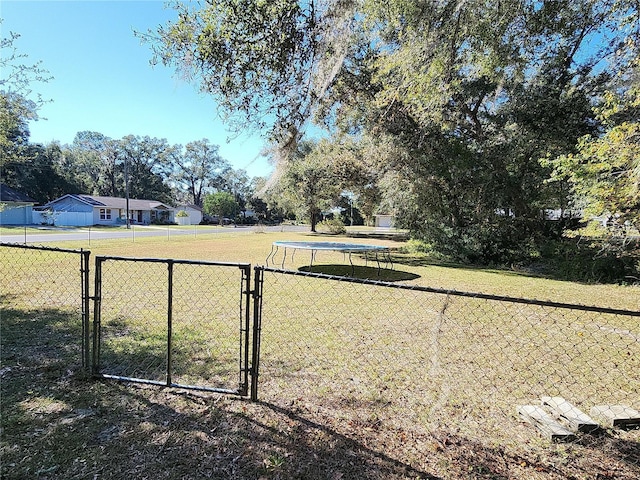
(240, 186)
(471, 95)
(313, 179)
(146, 163)
(604, 173)
(221, 204)
(18, 78)
(108, 166)
(266, 63)
(19, 105)
(307, 180)
(198, 167)
(474, 95)
(96, 158)
(14, 137)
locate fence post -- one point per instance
(169, 319)
(245, 321)
(257, 330)
(97, 306)
(84, 273)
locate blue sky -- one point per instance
(103, 81)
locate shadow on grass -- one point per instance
(64, 425)
(378, 453)
(134, 349)
(321, 452)
(40, 338)
(572, 263)
(57, 424)
(362, 272)
(413, 260)
(145, 357)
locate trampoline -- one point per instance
(314, 247)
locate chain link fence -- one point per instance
(395, 362)
(44, 307)
(416, 371)
(171, 322)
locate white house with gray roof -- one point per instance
(85, 210)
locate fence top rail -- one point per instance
(41, 247)
(242, 265)
(442, 291)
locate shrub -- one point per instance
(596, 260)
(332, 227)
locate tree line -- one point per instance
(150, 168)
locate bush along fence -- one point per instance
(355, 354)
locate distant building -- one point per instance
(85, 210)
(15, 207)
(194, 214)
(557, 214)
(384, 221)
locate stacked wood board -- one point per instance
(559, 420)
(616, 416)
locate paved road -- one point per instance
(88, 234)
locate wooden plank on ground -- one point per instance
(553, 430)
(617, 416)
(576, 418)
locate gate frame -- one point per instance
(245, 323)
(257, 330)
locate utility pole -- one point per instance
(351, 196)
(351, 205)
(126, 188)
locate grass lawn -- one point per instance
(245, 245)
(30, 230)
(357, 382)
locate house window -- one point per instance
(105, 214)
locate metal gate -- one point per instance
(176, 323)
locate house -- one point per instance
(85, 210)
(384, 221)
(557, 214)
(194, 214)
(15, 207)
